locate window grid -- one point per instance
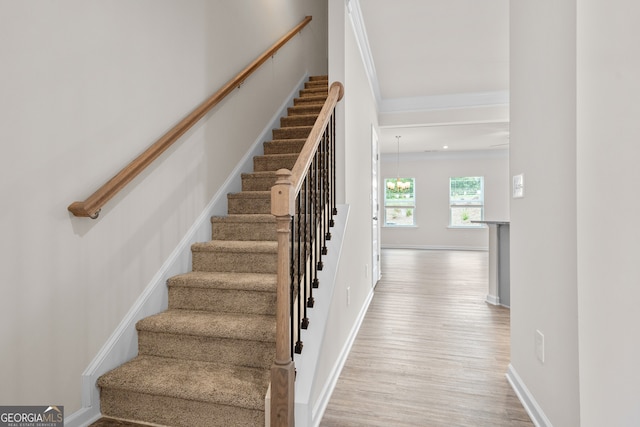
(399, 202)
(466, 201)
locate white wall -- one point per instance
(543, 224)
(432, 172)
(608, 153)
(86, 86)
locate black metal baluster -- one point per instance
(332, 122)
(307, 262)
(302, 290)
(292, 287)
(321, 210)
(317, 222)
(296, 248)
(327, 200)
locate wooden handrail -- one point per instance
(283, 207)
(93, 204)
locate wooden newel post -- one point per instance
(283, 369)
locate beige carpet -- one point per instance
(205, 361)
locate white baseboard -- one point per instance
(526, 398)
(122, 345)
(330, 385)
(435, 248)
(492, 299)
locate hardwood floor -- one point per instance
(430, 351)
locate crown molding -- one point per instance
(355, 13)
(445, 102)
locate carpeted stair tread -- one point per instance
(191, 380)
(283, 146)
(274, 162)
(245, 218)
(313, 108)
(319, 90)
(246, 227)
(249, 202)
(258, 282)
(299, 120)
(250, 194)
(250, 246)
(292, 132)
(311, 99)
(224, 292)
(315, 83)
(247, 256)
(258, 181)
(235, 326)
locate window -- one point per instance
(466, 201)
(399, 202)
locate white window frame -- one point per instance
(390, 205)
(466, 203)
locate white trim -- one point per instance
(492, 299)
(357, 22)
(122, 345)
(82, 417)
(445, 102)
(448, 154)
(436, 248)
(526, 398)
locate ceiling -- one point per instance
(439, 71)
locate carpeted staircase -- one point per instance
(206, 360)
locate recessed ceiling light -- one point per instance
(445, 146)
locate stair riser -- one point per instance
(254, 354)
(222, 300)
(176, 412)
(249, 205)
(320, 90)
(309, 100)
(242, 262)
(243, 231)
(258, 183)
(305, 109)
(284, 147)
(316, 83)
(292, 133)
(306, 120)
(273, 163)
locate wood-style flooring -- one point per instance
(430, 351)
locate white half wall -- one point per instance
(432, 172)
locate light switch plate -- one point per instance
(518, 186)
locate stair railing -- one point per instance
(93, 204)
(303, 201)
